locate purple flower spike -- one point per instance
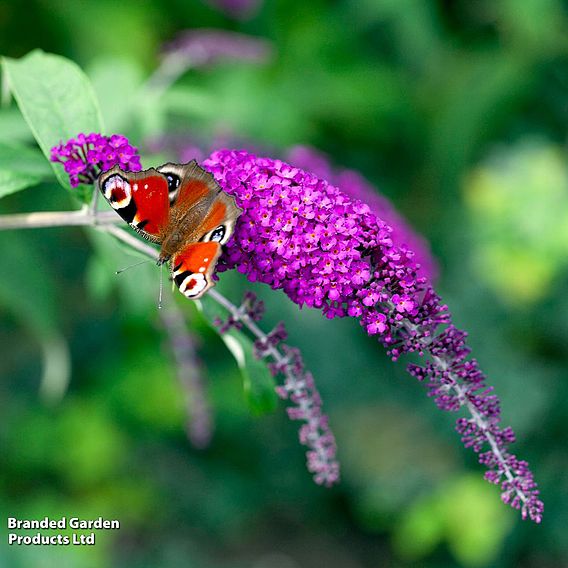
(299, 388)
(86, 156)
(326, 250)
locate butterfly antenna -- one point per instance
(132, 266)
(161, 286)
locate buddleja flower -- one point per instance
(298, 388)
(87, 155)
(325, 250)
(301, 234)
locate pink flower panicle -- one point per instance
(87, 155)
(299, 388)
(326, 250)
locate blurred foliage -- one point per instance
(519, 205)
(457, 110)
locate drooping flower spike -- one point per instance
(325, 250)
(298, 388)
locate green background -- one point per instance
(458, 112)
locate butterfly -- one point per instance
(183, 209)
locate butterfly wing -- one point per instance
(188, 184)
(140, 198)
(191, 188)
(194, 193)
(192, 268)
(157, 202)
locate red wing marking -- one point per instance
(150, 195)
(193, 267)
(140, 198)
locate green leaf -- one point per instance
(13, 126)
(11, 181)
(258, 383)
(21, 167)
(23, 159)
(117, 84)
(56, 99)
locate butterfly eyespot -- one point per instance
(118, 191)
(173, 182)
(218, 234)
(193, 284)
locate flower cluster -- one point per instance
(357, 187)
(86, 156)
(299, 387)
(303, 235)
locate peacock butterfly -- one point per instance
(183, 209)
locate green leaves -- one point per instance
(23, 159)
(20, 167)
(11, 181)
(56, 99)
(258, 383)
(464, 514)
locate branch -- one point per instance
(131, 240)
(43, 219)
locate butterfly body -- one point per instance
(183, 209)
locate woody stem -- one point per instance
(36, 220)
